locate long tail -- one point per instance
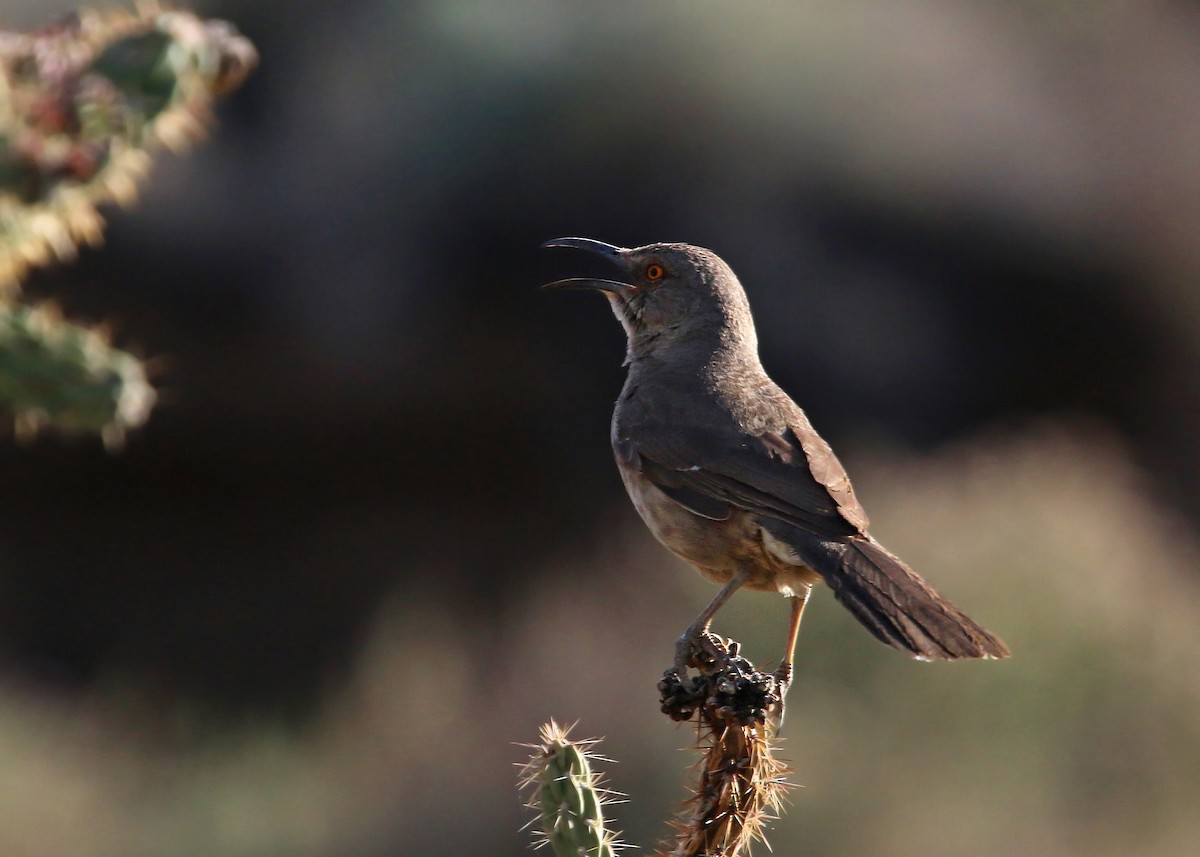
(898, 607)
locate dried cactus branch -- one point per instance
(741, 784)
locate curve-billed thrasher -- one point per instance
(727, 472)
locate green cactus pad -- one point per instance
(59, 375)
(567, 795)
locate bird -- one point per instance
(727, 471)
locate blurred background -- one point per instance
(373, 535)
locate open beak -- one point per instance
(610, 251)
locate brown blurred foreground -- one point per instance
(1083, 742)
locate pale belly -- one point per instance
(718, 549)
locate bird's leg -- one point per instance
(783, 673)
(700, 625)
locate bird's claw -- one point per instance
(725, 686)
(782, 676)
(683, 654)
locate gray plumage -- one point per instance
(726, 469)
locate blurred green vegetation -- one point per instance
(82, 104)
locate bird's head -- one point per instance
(668, 293)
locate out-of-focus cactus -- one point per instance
(82, 104)
(67, 376)
(567, 795)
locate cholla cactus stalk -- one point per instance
(568, 795)
(740, 789)
(81, 105)
(53, 373)
(741, 784)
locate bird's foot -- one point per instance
(683, 654)
(702, 650)
(727, 688)
(680, 692)
(782, 678)
(783, 674)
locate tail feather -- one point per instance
(900, 608)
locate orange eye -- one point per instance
(655, 272)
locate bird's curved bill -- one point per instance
(610, 286)
(611, 251)
(589, 244)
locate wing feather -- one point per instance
(790, 475)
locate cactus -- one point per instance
(68, 376)
(739, 790)
(82, 104)
(567, 795)
(741, 784)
